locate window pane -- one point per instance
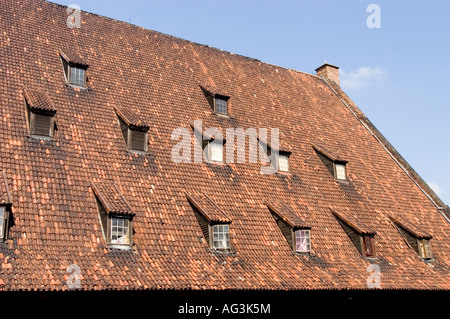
(340, 171)
(216, 151)
(120, 231)
(77, 76)
(283, 163)
(2, 220)
(302, 241)
(221, 105)
(221, 237)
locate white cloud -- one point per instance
(436, 188)
(363, 77)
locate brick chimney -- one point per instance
(329, 72)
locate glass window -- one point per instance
(2, 220)
(216, 151)
(221, 105)
(425, 249)
(283, 162)
(120, 231)
(302, 241)
(221, 237)
(77, 76)
(368, 246)
(340, 171)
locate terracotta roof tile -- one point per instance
(353, 222)
(131, 118)
(287, 215)
(111, 198)
(39, 101)
(154, 76)
(5, 195)
(71, 56)
(208, 208)
(412, 228)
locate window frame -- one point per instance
(221, 98)
(286, 155)
(344, 165)
(110, 232)
(67, 67)
(211, 236)
(207, 144)
(129, 141)
(32, 124)
(308, 240)
(424, 249)
(4, 222)
(368, 246)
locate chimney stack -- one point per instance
(329, 72)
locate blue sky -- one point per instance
(398, 74)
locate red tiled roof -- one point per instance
(131, 118)
(353, 222)
(111, 198)
(324, 151)
(39, 101)
(72, 57)
(208, 208)
(5, 196)
(287, 215)
(56, 216)
(415, 230)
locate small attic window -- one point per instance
(336, 166)
(40, 113)
(220, 105)
(116, 216)
(134, 130)
(217, 100)
(296, 232)
(360, 235)
(213, 222)
(74, 69)
(214, 150)
(4, 214)
(303, 240)
(283, 162)
(425, 249)
(120, 231)
(220, 236)
(415, 238)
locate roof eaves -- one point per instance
(119, 205)
(39, 101)
(413, 229)
(208, 208)
(351, 221)
(287, 215)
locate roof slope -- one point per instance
(56, 218)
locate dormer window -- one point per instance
(40, 113)
(214, 223)
(74, 69)
(5, 207)
(334, 164)
(303, 240)
(293, 228)
(220, 236)
(283, 162)
(360, 235)
(76, 75)
(214, 150)
(217, 100)
(415, 237)
(134, 130)
(3, 221)
(116, 215)
(220, 105)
